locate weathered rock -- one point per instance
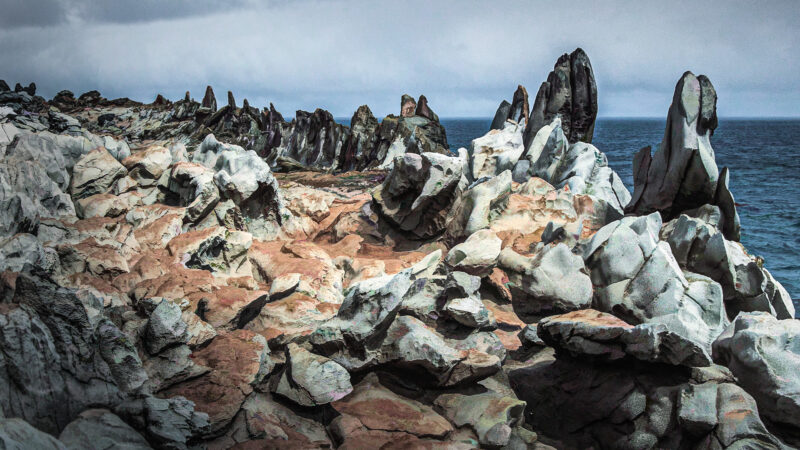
(587, 405)
(682, 174)
(763, 354)
(378, 408)
(172, 366)
(496, 151)
(407, 106)
(147, 166)
(312, 380)
(192, 185)
(700, 247)
(22, 249)
(596, 336)
(209, 101)
(491, 415)
(165, 328)
(94, 173)
(637, 279)
(17, 434)
(97, 429)
(569, 93)
(477, 255)
(554, 280)
(416, 194)
(580, 166)
(500, 117)
(471, 210)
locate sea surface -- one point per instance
(763, 157)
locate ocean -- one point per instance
(763, 157)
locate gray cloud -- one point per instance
(464, 56)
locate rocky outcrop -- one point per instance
(763, 354)
(637, 278)
(682, 174)
(580, 166)
(700, 246)
(418, 191)
(517, 111)
(570, 93)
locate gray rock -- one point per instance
(192, 185)
(500, 117)
(682, 174)
(763, 353)
(700, 247)
(52, 367)
(595, 336)
(22, 249)
(98, 429)
(585, 405)
(491, 415)
(580, 165)
(171, 366)
(167, 423)
(553, 280)
(472, 207)
(312, 380)
(637, 279)
(477, 255)
(16, 434)
(417, 193)
(165, 328)
(569, 93)
(94, 173)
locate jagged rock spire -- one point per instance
(570, 93)
(209, 101)
(231, 100)
(407, 106)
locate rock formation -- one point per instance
(682, 174)
(177, 275)
(570, 93)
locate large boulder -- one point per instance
(477, 255)
(97, 429)
(764, 353)
(637, 278)
(553, 280)
(417, 193)
(95, 173)
(472, 208)
(569, 93)
(495, 152)
(594, 336)
(585, 405)
(700, 246)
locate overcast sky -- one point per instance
(464, 56)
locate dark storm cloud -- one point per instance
(465, 56)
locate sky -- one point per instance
(465, 56)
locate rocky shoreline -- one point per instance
(181, 275)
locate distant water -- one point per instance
(763, 157)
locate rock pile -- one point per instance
(164, 285)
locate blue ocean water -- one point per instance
(763, 157)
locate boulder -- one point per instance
(17, 434)
(97, 429)
(553, 280)
(312, 380)
(493, 416)
(418, 191)
(595, 336)
(192, 185)
(94, 173)
(637, 279)
(496, 151)
(700, 246)
(583, 405)
(477, 255)
(763, 353)
(147, 166)
(472, 207)
(165, 328)
(570, 93)
(22, 249)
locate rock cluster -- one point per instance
(200, 275)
